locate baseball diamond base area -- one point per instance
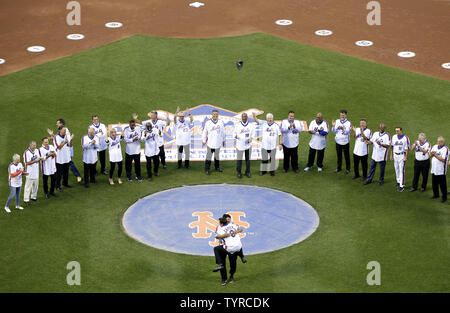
(407, 233)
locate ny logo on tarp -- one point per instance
(206, 225)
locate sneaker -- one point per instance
(443, 200)
(347, 172)
(59, 189)
(207, 172)
(380, 183)
(219, 170)
(139, 179)
(7, 209)
(47, 196)
(337, 170)
(111, 182)
(285, 171)
(130, 179)
(230, 280)
(248, 175)
(239, 175)
(79, 179)
(223, 283)
(157, 174)
(164, 166)
(355, 177)
(422, 189)
(261, 173)
(363, 178)
(244, 260)
(272, 173)
(401, 189)
(319, 169)
(149, 179)
(218, 268)
(119, 181)
(105, 173)
(52, 194)
(307, 169)
(27, 203)
(296, 171)
(19, 208)
(367, 182)
(397, 185)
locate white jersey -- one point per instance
(17, 180)
(214, 133)
(379, 153)
(439, 167)
(151, 142)
(182, 132)
(68, 142)
(361, 147)
(290, 135)
(89, 149)
(400, 144)
(233, 243)
(319, 139)
(63, 155)
(100, 132)
(243, 134)
(159, 125)
(114, 149)
(420, 156)
(132, 147)
(32, 169)
(49, 163)
(270, 134)
(342, 134)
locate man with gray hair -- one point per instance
(271, 138)
(31, 158)
(421, 163)
(439, 162)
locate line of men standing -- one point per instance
(56, 159)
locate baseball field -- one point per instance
(407, 233)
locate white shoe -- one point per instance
(19, 208)
(307, 169)
(319, 169)
(7, 209)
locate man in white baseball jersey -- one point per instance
(182, 132)
(115, 155)
(15, 171)
(399, 154)
(90, 145)
(271, 138)
(100, 133)
(230, 245)
(244, 133)
(62, 142)
(47, 153)
(131, 135)
(290, 128)
(342, 128)
(422, 162)
(60, 123)
(318, 129)
(439, 162)
(151, 149)
(160, 126)
(31, 158)
(213, 137)
(362, 135)
(381, 141)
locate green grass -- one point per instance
(407, 233)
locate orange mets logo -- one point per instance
(206, 224)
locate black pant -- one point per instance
(129, 158)
(346, 149)
(439, 181)
(312, 156)
(290, 155)
(89, 173)
(155, 159)
(421, 167)
(221, 256)
(162, 155)
(247, 162)
(356, 160)
(373, 166)
(102, 159)
(62, 171)
(112, 166)
(52, 183)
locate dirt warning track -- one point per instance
(418, 26)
